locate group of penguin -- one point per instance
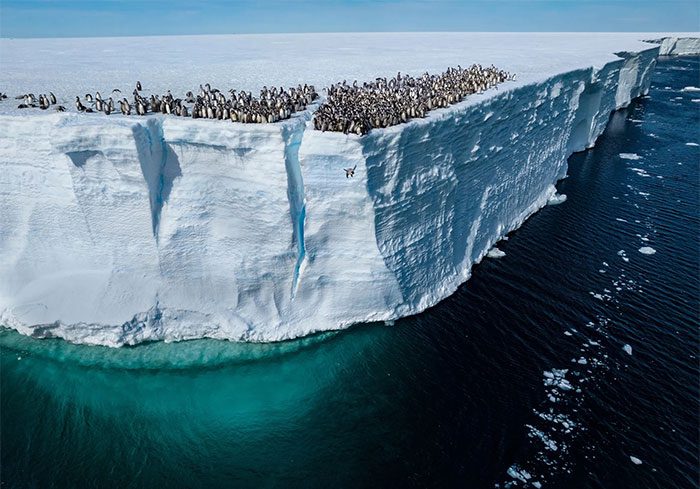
(347, 108)
(210, 103)
(29, 100)
(383, 103)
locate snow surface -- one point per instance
(116, 230)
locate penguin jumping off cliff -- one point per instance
(350, 172)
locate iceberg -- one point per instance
(116, 230)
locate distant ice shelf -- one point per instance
(117, 230)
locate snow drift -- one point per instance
(118, 230)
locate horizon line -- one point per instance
(255, 34)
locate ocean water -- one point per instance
(522, 378)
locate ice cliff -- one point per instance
(120, 230)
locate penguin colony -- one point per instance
(29, 100)
(383, 103)
(348, 108)
(210, 103)
(273, 105)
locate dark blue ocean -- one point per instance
(572, 362)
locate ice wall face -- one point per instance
(119, 230)
(678, 46)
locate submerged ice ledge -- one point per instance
(121, 230)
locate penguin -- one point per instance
(52, 98)
(60, 108)
(350, 172)
(138, 86)
(79, 105)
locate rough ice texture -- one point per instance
(116, 230)
(679, 45)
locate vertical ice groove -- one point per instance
(159, 164)
(293, 134)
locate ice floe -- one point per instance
(495, 253)
(557, 199)
(630, 156)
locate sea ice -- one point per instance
(647, 250)
(692, 144)
(635, 460)
(628, 349)
(495, 253)
(557, 199)
(690, 89)
(630, 156)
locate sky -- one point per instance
(89, 18)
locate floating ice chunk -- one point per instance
(621, 219)
(582, 361)
(537, 485)
(647, 250)
(630, 156)
(556, 199)
(549, 444)
(690, 89)
(517, 473)
(635, 460)
(692, 144)
(567, 333)
(641, 172)
(556, 378)
(495, 253)
(627, 349)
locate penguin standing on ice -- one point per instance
(79, 105)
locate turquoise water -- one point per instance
(164, 413)
(453, 397)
